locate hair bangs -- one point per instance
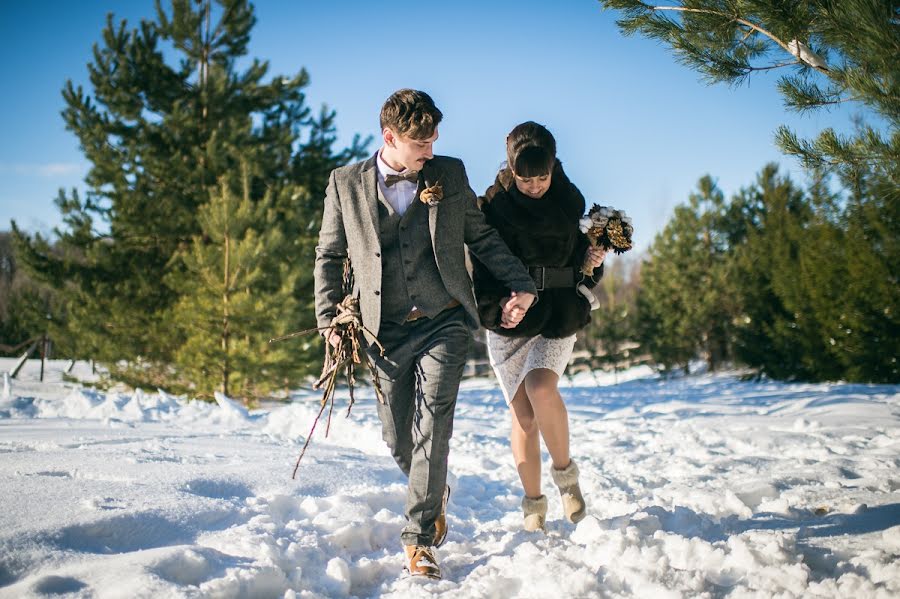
(533, 161)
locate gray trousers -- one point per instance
(420, 376)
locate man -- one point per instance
(415, 295)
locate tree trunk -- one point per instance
(226, 333)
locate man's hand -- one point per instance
(331, 335)
(514, 308)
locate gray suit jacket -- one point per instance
(350, 228)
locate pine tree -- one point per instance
(775, 329)
(227, 310)
(661, 331)
(28, 309)
(685, 306)
(817, 296)
(613, 319)
(168, 110)
(834, 52)
(862, 316)
(610, 332)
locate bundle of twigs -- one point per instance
(341, 358)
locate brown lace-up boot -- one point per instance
(440, 525)
(420, 561)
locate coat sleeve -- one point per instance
(489, 292)
(331, 251)
(488, 247)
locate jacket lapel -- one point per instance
(369, 182)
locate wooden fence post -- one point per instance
(23, 359)
(43, 354)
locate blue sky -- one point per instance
(634, 129)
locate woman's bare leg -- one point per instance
(525, 443)
(542, 388)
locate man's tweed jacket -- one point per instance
(350, 228)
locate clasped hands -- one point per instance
(514, 308)
(516, 305)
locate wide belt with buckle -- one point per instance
(416, 313)
(552, 277)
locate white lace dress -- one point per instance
(514, 357)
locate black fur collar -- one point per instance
(562, 204)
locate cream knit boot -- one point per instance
(572, 500)
(535, 511)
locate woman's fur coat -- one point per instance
(541, 232)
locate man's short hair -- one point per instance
(410, 113)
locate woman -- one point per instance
(536, 210)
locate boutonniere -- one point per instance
(430, 196)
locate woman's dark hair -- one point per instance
(530, 150)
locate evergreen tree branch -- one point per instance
(733, 18)
(771, 67)
(800, 94)
(753, 27)
(829, 149)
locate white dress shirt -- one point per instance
(401, 194)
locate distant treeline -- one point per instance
(793, 283)
(797, 283)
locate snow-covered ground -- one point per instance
(703, 486)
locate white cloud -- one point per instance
(57, 169)
(47, 170)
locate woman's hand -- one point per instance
(594, 256)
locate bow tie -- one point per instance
(411, 176)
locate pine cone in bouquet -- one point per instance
(608, 228)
